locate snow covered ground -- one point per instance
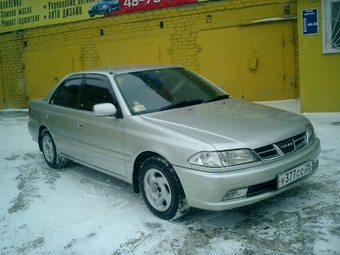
(77, 210)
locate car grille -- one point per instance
(282, 148)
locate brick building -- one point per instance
(249, 47)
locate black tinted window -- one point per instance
(67, 93)
(96, 91)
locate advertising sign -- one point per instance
(127, 6)
(23, 14)
(310, 22)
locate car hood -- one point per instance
(232, 123)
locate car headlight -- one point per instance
(223, 158)
(310, 133)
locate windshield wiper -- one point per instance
(182, 104)
(216, 99)
(193, 102)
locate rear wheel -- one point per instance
(49, 150)
(161, 189)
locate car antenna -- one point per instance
(107, 61)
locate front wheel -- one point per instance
(161, 189)
(49, 150)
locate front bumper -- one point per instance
(206, 190)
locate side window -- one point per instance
(67, 93)
(96, 91)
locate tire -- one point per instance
(161, 189)
(49, 150)
(109, 11)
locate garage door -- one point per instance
(1, 96)
(141, 51)
(253, 62)
(45, 67)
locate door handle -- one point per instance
(80, 125)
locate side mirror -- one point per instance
(105, 109)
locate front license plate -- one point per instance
(294, 174)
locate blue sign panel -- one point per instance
(310, 22)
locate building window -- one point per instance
(331, 26)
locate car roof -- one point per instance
(125, 69)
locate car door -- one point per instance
(59, 114)
(100, 140)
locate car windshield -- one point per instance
(164, 89)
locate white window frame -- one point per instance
(327, 32)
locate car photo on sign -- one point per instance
(104, 7)
(177, 138)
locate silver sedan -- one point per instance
(177, 138)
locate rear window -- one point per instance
(67, 93)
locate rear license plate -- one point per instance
(294, 174)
